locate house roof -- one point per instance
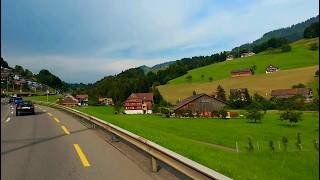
(190, 99)
(69, 98)
(82, 96)
(142, 96)
(293, 91)
(242, 71)
(241, 90)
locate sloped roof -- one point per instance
(241, 70)
(82, 96)
(293, 91)
(142, 96)
(190, 99)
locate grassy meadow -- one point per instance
(260, 83)
(51, 98)
(211, 142)
(299, 56)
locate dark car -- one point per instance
(18, 100)
(24, 107)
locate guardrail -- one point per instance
(182, 164)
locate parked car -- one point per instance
(18, 100)
(25, 107)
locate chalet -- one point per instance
(106, 101)
(287, 93)
(69, 100)
(199, 103)
(242, 72)
(139, 103)
(271, 69)
(83, 99)
(247, 54)
(229, 57)
(241, 91)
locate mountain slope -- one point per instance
(297, 66)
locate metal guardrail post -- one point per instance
(154, 164)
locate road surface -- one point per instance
(54, 145)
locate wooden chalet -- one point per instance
(200, 103)
(139, 103)
(240, 91)
(241, 72)
(106, 101)
(287, 93)
(271, 69)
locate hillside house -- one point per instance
(200, 103)
(69, 100)
(6, 74)
(271, 69)
(229, 57)
(247, 54)
(287, 93)
(241, 91)
(241, 72)
(106, 101)
(83, 99)
(139, 103)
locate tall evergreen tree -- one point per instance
(221, 94)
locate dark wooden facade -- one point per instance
(200, 103)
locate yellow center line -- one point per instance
(65, 130)
(49, 114)
(83, 157)
(56, 119)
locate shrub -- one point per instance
(300, 85)
(285, 142)
(298, 143)
(271, 145)
(250, 145)
(314, 47)
(223, 113)
(210, 78)
(316, 144)
(254, 114)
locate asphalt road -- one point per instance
(53, 145)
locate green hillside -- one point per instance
(299, 56)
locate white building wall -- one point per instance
(133, 111)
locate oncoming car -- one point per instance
(25, 107)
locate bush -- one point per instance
(271, 145)
(298, 143)
(254, 114)
(223, 113)
(250, 145)
(285, 142)
(314, 47)
(285, 48)
(300, 85)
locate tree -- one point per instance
(27, 74)
(210, 79)
(312, 31)
(202, 76)
(291, 116)
(316, 74)
(4, 63)
(254, 114)
(221, 94)
(19, 70)
(194, 92)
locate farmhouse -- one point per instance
(139, 103)
(271, 69)
(287, 93)
(106, 101)
(200, 103)
(229, 57)
(247, 54)
(83, 99)
(69, 100)
(242, 72)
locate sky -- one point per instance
(85, 40)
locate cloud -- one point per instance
(91, 39)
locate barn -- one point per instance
(241, 72)
(200, 103)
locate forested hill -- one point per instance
(292, 33)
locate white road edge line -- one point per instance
(8, 119)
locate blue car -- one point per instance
(18, 100)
